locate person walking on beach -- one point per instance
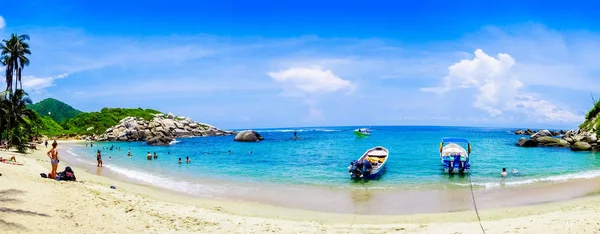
(46, 143)
(99, 159)
(53, 155)
(504, 173)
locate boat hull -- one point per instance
(361, 134)
(358, 169)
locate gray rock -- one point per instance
(523, 142)
(193, 125)
(179, 125)
(550, 141)
(247, 136)
(529, 132)
(159, 140)
(170, 116)
(570, 140)
(581, 146)
(169, 124)
(519, 132)
(541, 133)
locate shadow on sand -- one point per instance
(8, 196)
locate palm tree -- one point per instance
(18, 118)
(14, 57)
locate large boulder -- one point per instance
(550, 141)
(247, 136)
(541, 133)
(523, 142)
(159, 140)
(529, 132)
(519, 132)
(581, 146)
(170, 116)
(169, 124)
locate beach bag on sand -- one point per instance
(67, 174)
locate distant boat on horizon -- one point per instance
(362, 132)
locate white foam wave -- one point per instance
(579, 175)
(165, 182)
(173, 142)
(72, 153)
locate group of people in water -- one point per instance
(504, 173)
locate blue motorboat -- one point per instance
(455, 159)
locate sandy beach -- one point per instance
(31, 204)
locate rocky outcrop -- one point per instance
(248, 136)
(577, 140)
(161, 130)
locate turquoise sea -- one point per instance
(321, 157)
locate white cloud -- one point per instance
(499, 91)
(38, 85)
(310, 80)
(2, 22)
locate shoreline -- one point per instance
(368, 200)
(157, 210)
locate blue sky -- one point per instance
(314, 63)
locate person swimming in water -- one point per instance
(187, 159)
(229, 152)
(179, 160)
(515, 172)
(149, 156)
(155, 155)
(504, 173)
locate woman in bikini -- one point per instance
(53, 155)
(99, 159)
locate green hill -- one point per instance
(98, 122)
(592, 119)
(57, 110)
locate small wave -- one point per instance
(174, 142)
(579, 175)
(164, 182)
(72, 153)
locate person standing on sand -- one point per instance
(99, 159)
(46, 143)
(53, 155)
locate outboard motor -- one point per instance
(366, 168)
(354, 170)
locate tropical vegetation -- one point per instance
(88, 123)
(17, 121)
(592, 118)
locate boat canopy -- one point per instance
(454, 140)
